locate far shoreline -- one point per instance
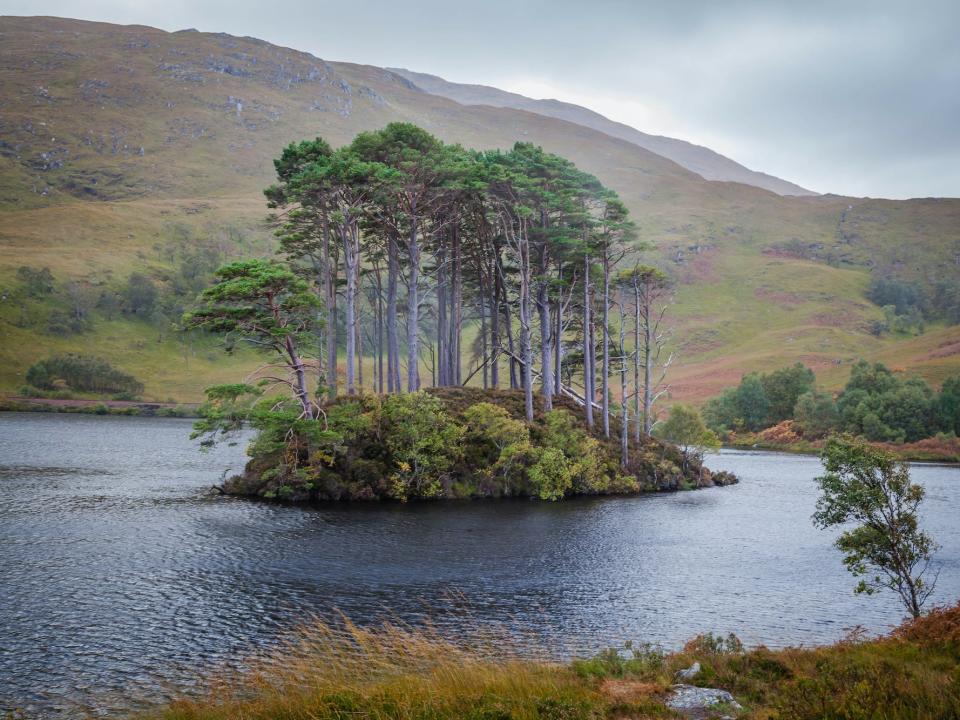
(88, 406)
(187, 410)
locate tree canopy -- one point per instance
(886, 548)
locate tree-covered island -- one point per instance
(511, 277)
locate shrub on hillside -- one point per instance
(499, 447)
(83, 373)
(37, 282)
(879, 405)
(139, 295)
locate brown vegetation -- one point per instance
(390, 672)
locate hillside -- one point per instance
(703, 161)
(124, 148)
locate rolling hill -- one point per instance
(123, 148)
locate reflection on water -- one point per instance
(120, 573)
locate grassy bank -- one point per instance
(783, 438)
(390, 672)
(132, 408)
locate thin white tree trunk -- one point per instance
(588, 393)
(352, 261)
(605, 379)
(625, 419)
(393, 336)
(637, 397)
(413, 311)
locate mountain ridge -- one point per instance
(707, 163)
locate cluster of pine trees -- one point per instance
(406, 242)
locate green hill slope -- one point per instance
(124, 148)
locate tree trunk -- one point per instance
(605, 379)
(348, 232)
(625, 419)
(484, 350)
(508, 325)
(525, 344)
(456, 312)
(442, 320)
(546, 374)
(301, 387)
(558, 340)
(413, 309)
(360, 351)
(495, 322)
(319, 270)
(588, 393)
(393, 337)
(546, 329)
(379, 307)
(330, 295)
(647, 373)
(637, 420)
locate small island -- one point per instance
(458, 443)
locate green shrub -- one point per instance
(710, 644)
(84, 373)
(497, 447)
(551, 474)
(587, 464)
(849, 688)
(36, 282)
(644, 660)
(424, 443)
(816, 414)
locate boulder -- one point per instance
(689, 673)
(697, 702)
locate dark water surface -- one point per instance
(120, 575)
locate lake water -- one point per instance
(120, 575)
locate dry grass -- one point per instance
(393, 672)
(345, 671)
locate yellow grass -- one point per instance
(344, 671)
(390, 672)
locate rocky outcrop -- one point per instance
(720, 478)
(699, 702)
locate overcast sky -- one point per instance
(858, 98)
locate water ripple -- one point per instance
(120, 576)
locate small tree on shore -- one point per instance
(686, 429)
(268, 306)
(886, 548)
